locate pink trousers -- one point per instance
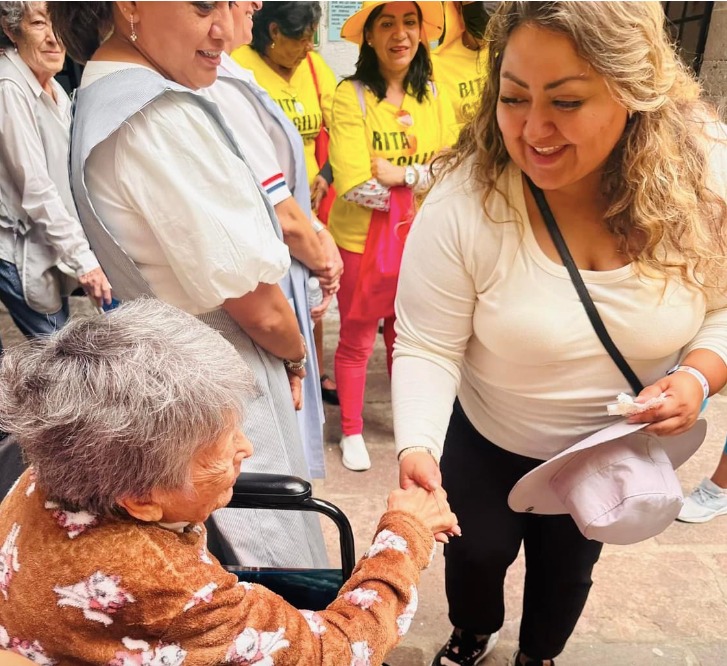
(355, 345)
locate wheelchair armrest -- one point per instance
(252, 489)
(277, 491)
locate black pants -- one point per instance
(478, 477)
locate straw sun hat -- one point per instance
(432, 21)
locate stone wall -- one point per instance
(714, 66)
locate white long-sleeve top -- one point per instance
(183, 206)
(485, 315)
(34, 185)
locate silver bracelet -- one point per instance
(297, 366)
(417, 449)
(294, 366)
(318, 226)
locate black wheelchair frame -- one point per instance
(311, 589)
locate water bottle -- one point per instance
(315, 293)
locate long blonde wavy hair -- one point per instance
(661, 209)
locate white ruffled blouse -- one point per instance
(182, 205)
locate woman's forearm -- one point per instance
(299, 235)
(266, 316)
(710, 365)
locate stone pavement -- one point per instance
(659, 603)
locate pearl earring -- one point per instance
(133, 36)
(272, 45)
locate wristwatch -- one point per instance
(411, 176)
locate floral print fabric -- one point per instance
(75, 587)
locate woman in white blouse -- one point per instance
(175, 212)
(274, 149)
(38, 223)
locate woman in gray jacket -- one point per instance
(39, 227)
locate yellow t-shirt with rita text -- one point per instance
(461, 72)
(297, 97)
(412, 133)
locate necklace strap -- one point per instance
(583, 294)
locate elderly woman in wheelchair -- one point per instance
(131, 424)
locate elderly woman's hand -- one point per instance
(421, 470)
(96, 286)
(387, 173)
(431, 508)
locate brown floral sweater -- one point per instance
(76, 589)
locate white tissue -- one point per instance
(625, 405)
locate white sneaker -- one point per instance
(707, 501)
(355, 455)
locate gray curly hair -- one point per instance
(11, 16)
(116, 404)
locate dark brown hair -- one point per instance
(416, 81)
(81, 26)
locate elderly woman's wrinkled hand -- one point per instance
(96, 286)
(431, 508)
(386, 173)
(678, 412)
(421, 470)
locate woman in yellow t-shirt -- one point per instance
(389, 121)
(282, 58)
(459, 60)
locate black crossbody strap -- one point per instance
(583, 294)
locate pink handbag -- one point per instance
(375, 290)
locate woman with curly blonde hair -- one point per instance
(590, 121)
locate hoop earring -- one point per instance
(133, 36)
